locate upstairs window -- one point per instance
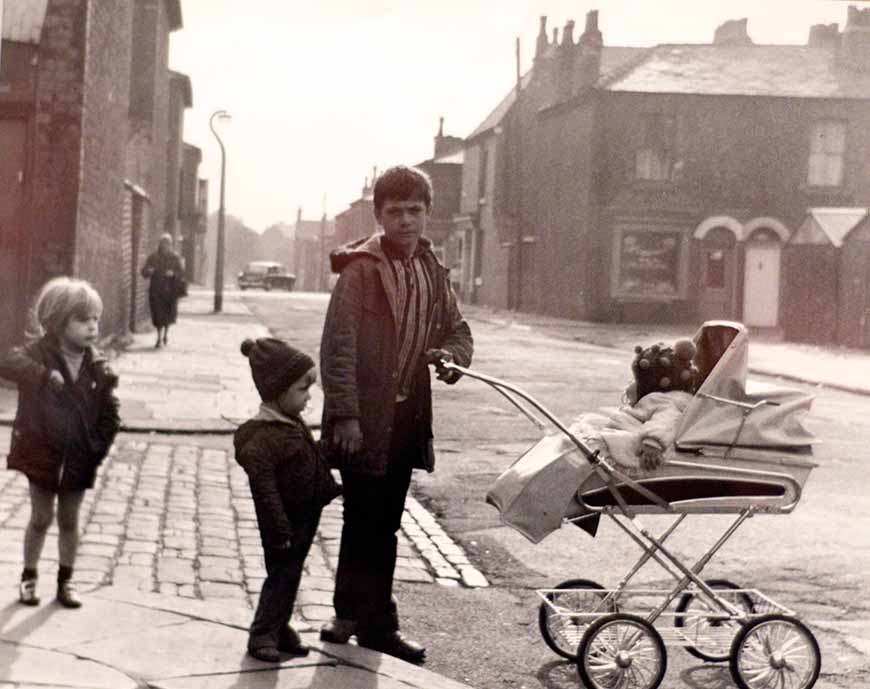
(827, 150)
(654, 156)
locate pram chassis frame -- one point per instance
(750, 622)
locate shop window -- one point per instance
(649, 264)
(654, 157)
(827, 150)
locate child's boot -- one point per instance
(67, 594)
(27, 588)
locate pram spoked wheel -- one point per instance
(561, 630)
(623, 651)
(711, 639)
(775, 651)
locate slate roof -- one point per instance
(749, 70)
(613, 59)
(832, 225)
(22, 20)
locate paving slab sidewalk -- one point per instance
(127, 640)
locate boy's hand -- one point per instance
(436, 357)
(651, 457)
(55, 380)
(347, 437)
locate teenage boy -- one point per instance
(392, 312)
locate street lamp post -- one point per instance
(221, 233)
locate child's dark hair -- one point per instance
(60, 300)
(403, 183)
(661, 369)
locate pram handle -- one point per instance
(607, 471)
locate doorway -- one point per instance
(718, 275)
(761, 279)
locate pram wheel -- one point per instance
(775, 651)
(710, 639)
(623, 651)
(561, 630)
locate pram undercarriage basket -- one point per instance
(736, 452)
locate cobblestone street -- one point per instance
(176, 518)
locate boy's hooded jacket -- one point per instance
(359, 351)
(60, 437)
(290, 481)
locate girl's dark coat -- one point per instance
(290, 481)
(59, 438)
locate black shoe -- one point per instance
(268, 654)
(290, 642)
(395, 645)
(67, 595)
(338, 631)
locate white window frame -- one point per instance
(827, 155)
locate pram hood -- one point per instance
(722, 358)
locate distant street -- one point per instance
(816, 560)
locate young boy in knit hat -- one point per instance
(637, 434)
(290, 483)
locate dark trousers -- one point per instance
(283, 572)
(373, 507)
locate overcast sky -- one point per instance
(321, 91)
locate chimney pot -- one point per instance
(591, 21)
(568, 34)
(541, 44)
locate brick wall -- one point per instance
(57, 140)
(99, 238)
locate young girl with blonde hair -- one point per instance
(66, 421)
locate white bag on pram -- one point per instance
(534, 494)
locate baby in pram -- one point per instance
(636, 434)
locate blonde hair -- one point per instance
(60, 300)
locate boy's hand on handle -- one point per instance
(651, 457)
(347, 437)
(55, 380)
(437, 357)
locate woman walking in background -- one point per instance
(166, 272)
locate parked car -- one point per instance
(266, 275)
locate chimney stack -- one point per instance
(732, 32)
(824, 36)
(541, 44)
(855, 51)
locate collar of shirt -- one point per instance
(392, 252)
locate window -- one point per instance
(482, 173)
(716, 269)
(655, 155)
(827, 149)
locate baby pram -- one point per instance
(737, 451)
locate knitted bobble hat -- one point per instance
(275, 365)
(660, 369)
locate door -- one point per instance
(718, 270)
(13, 138)
(761, 282)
